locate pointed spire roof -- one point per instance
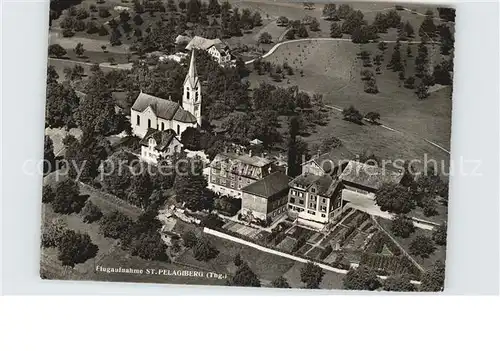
(192, 75)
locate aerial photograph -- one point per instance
(252, 143)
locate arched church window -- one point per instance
(138, 122)
(178, 129)
(162, 126)
(187, 93)
(149, 123)
(196, 96)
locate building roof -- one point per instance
(202, 43)
(163, 108)
(163, 138)
(335, 157)
(243, 164)
(268, 186)
(182, 39)
(369, 176)
(325, 185)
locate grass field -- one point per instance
(439, 254)
(331, 68)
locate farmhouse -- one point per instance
(215, 47)
(151, 112)
(230, 172)
(159, 144)
(265, 199)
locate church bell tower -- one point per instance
(191, 96)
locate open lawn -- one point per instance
(332, 69)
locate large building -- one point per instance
(314, 195)
(266, 199)
(215, 47)
(151, 112)
(230, 172)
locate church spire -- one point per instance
(192, 75)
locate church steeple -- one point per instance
(191, 97)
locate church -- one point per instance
(151, 116)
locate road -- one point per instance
(126, 66)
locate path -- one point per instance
(340, 109)
(275, 47)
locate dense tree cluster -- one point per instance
(395, 198)
(400, 282)
(90, 212)
(361, 278)
(422, 246)
(244, 276)
(402, 226)
(311, 275)
(67, 197)
(433, 279)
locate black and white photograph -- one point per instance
(249, 143)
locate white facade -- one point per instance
(151, 154)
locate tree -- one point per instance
(335, 30)
(56, 50)
(48, 155)
(395, 64)
(422, 91)
(427, 28)
(330, 12)
(67, 197)
(115, 225)
(138, 6)
(138, 20)
(302, 31)
(104, 12)
(265, 38)
(409, 82)
(189, 238)
(237, 260)
(400, 282)
(402, 226)
(373, 117)
(281, 283)
(52, 75)
(244, 276)
(191, 139)
(114, 39)
(371, 86)
(354, 20)
(191, 190)
(361, 278)
(442, 75)
(75, 248)
(344, 10)
(422, 246)
(47, 194)
(290, 34)
(79, 50)
(91, 212)
(433, 279)
(61, 104)
(294, 161)
(394, 198)
(204, 250)
(439, 234)
(352, 114)
(446, 13)
(382, 46)
(214, 7)
(314, 25)
(102, 32)
(311, 275)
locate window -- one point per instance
(323, 200)
(301, 202)
(294, 192)
(162, 126)
(149, 123)
(187, 93)
(313, 190)
(178, 129)
(323, 215)
(313, 198)
(301, 194)
(292, 200)
(323, 208)
(312, 212)
(138, 122)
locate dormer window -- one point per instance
(152, 142)
(313, 190)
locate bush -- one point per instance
(204, 250)
(398, 283)
(75, 248)
(439, 234)
(47, 194)
(402, 226)
(56, 50)
(104, 12)
(115, 225)
(189, 239)
(227, 205)
(361, 278)
(91, 212)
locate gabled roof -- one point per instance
(369, 176)
(162, 108)
(335, 157)
(202, 43)
(268, 186)
(325, 184)
(249, 166)
(163, 138)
